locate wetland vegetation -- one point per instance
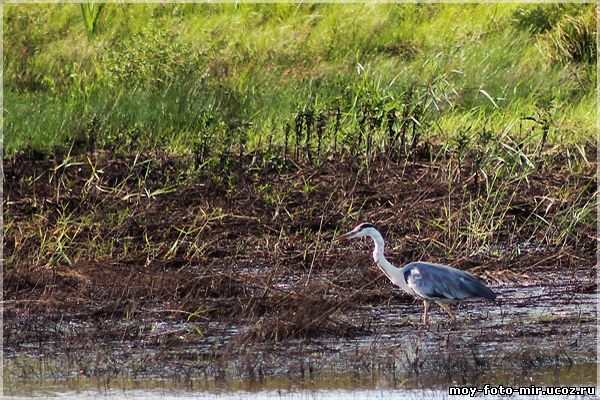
(174, 175)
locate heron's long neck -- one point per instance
(395, 274)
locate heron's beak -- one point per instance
(345, 236)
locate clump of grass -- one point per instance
(573, 39)
(150, 58)
(309, 312)
(540, 18)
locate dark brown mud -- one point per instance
(146, 267)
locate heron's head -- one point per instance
(361, 230)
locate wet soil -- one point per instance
(145, 267)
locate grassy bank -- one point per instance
(204, 78)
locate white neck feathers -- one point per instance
(396, 275)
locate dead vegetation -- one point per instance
(126, 238)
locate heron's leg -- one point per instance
(448, 309)
(425, 314)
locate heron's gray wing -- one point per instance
(435, 281)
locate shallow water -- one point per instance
(338, 385)
(532, 335)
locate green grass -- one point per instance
(174, 75)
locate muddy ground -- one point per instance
(146, 266)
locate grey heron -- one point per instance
(436, 283)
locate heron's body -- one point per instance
(431, 282)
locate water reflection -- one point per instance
(334, 385)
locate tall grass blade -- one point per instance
(91, 14)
